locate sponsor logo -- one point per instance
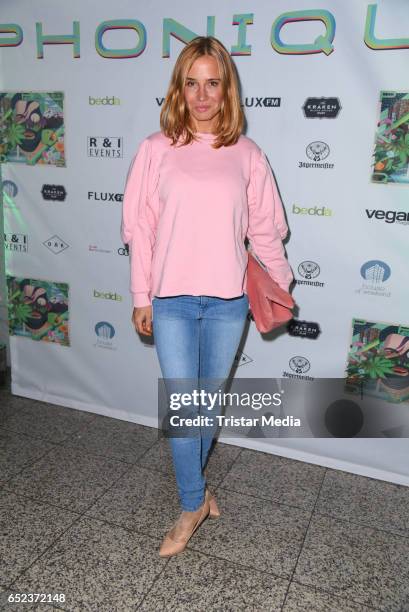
(248, 102)
(107, 101)
(107, 295)
(105, 146)
(309, 270)
(242, 359)
(299, 366)
(304, 329)
(54, 193)
(105, 196)
(316, 151)
(321, 211)
(16, 243)
(261, 102)
(124, 250)
(389, 216)
(10, 191)
(55, 244)
(95, 249)
(321, 108)
(104, 332)
(375, 273)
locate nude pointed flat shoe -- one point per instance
(214, 509)
(177, 538)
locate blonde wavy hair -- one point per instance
(175, 119)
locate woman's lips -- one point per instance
(202, 109)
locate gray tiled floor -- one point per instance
(85, 501)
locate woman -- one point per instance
(195, 190)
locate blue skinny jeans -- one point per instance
(196, 339)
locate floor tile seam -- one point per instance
(230, 468)
(64, 444)
(334, 594)
(315, 512)
(361, 524)
(304, 539)
(77, 519)
(50, 503)
(265, 499)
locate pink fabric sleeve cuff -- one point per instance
(141, 299)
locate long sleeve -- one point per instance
(139, 221)
(267, 226)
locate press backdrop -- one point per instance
(312, 76)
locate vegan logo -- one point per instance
(321, 108)
(16, 243)
(309, 270)
(53, 192)
(107, 295)
(105, 196)
(105, 146)
(375, 273)
(316, 151)
(303, 329)
(107, 101)
(388, 216)
(322, 211)
(55, 244)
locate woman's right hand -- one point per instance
(142, 320)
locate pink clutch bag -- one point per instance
(269, 304)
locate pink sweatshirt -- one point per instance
(186, 212)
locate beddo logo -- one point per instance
(309, 271)
(303, 329)
(16, 243)
(55, 193)
(321, 211)
(55, 244)
(105, 146)
(107, 101)
(317, 151)
(105, 196)
(375, 273)
(10, 191)
(107, 295)
(389, 216)
(104, 332)
(299, 366)
(321, 108)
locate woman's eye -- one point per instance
(214, 83)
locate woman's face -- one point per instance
(203, 93)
